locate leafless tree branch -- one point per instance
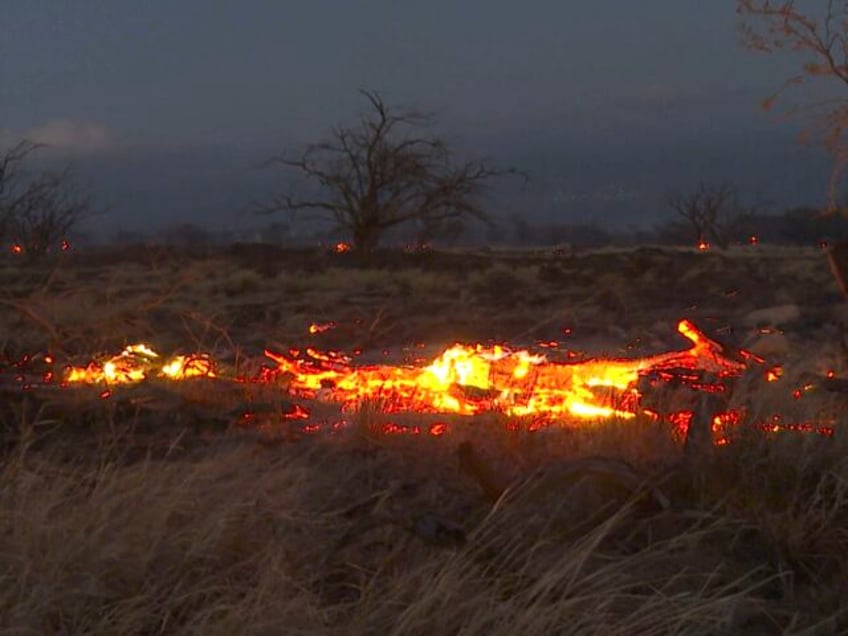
(385, 172)
(36, 213)
(774, 25)
(714, 213)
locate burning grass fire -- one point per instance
(464, 380)
(136, 362)
(468, 380)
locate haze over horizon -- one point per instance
(167, 109)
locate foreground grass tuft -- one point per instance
(322, 538)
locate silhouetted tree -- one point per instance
(385, 172)
(37, 213)
(713, 214)
(12, 194)
(820, 32)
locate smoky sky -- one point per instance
(163, 101)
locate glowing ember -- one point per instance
(321, 328)
(137, 362)
(17, 248)
(341, 247)
(194, 366)
(703, 245)
(438, 428)
(468, 380)
(297, 412)
(774, 374)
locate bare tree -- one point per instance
(10, 194)
(713, 213)
(821, 35)
(386, 172)
(37, 213)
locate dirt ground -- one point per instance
(259, 294)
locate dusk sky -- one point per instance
(167, 107)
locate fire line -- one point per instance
(462, 380)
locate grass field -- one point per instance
(160, 510)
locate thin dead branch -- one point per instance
(384, 173)
(820, 36)
(714, 213)
(37, 213)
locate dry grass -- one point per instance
(162, 516)
(335, 536)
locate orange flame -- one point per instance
(467, 380)
(774, 374)
(316, 327)
(136, 363)
(464, 379)
(193, 366)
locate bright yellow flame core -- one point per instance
(138, 362)
(468, 380)
(463, 379)
(189, 367)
